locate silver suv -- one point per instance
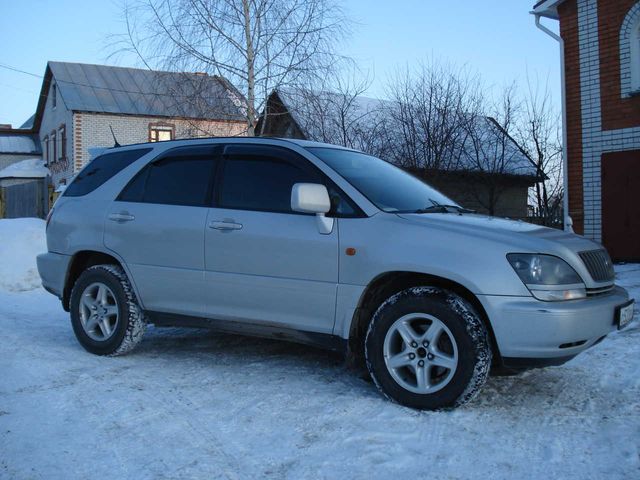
(327, 246)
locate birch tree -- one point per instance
(258, 45)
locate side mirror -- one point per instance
(313, 198)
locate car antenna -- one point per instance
(115, 140)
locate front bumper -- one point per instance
(532, 332)
(53, 268)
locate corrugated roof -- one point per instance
(132, 91)
(19, 143)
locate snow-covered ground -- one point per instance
(195, 404)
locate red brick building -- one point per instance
(601, 46)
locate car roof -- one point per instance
(254, 140)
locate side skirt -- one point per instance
(319, 340)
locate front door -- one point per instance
(265, 263)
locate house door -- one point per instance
(621, 204)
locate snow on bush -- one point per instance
(21, 239)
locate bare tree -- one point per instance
(489, 151)
(539, 134)
(431, 107)
(258, 45)
(339, 113)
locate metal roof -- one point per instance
(132, 91)
(19, 143)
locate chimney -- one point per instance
(200, 74)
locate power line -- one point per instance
(69, 82)
(9, 67)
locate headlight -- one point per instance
(548, 278)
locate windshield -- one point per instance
(387, 186)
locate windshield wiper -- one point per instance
(444, 209)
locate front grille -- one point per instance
(599, 265)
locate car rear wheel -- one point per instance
(105, 314)
(427, 348)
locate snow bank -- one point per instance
(30, 168)
(21, 239)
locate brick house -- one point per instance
(600, 42)
(81, 104)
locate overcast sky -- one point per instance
(496, 38)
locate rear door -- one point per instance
(265, 263)
(157, 226)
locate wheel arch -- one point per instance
(83, 259)
(389, 283)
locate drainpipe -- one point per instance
(568, 222)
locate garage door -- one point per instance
(621, 204)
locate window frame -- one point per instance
(293, 158)
(45, 150)
(211, 151)
(635, 59)
(62, 133)
(164, 127)
(54, 145)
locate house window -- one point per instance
(53, 142)
(62, 143)
(54, 100)
(161, 132)
(630, 53)
(635, 58)
(45, 150)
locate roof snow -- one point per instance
(29, 168)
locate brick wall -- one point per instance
(601, 117)
(569, 31)
(92, 130)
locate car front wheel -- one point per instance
(427, 348)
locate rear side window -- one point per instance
(101, 169)
(174, 180)
(261, 183)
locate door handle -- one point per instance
(221, 225)
(121, 217)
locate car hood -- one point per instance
(515, 234)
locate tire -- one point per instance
(440, 361)
(105, 314)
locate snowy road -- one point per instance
(194, 404)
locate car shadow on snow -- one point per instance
(566, 388)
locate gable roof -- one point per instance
(132, 91)
(365, 111)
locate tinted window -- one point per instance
(101, 169)
(175, 180)
(387, 186)
(261, 183)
